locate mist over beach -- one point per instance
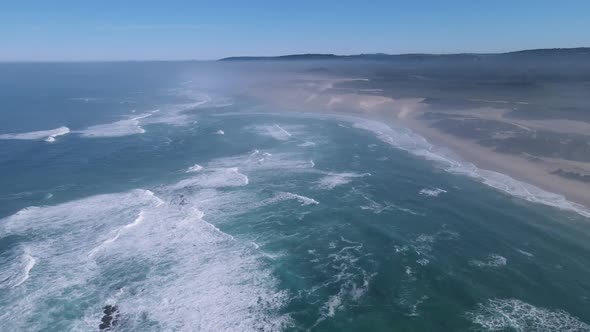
(260, 166)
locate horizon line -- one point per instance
(285, 55)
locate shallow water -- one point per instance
(195, 210)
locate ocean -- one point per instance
(156, 197)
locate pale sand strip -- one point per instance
(517, 167)
(315, 95)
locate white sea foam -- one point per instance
(423, 261)
(117, 233)
(47, 135)
(375, 207)
(526, 253)
(116, 129)
(284, 196)
(275, 131)
(167, 114)
(85, 99)
(194, 168)
(332, 180)
(492, 260)
(378, 208)
(306, 144)
(179, 114)
(214, 178)
(264, 161)
(516, 315)
(29, 264)
(163, 265)
(345, 272)
(405, 139)
(422, 245)
(220, 132)
(432, 192)
(17, 269)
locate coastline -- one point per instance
(514, 174)
(486, 158)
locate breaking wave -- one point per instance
(262, 160)
(215, 178)
(116, 129)
(345, 274)
(492, 260)
(422, 246)
(160, 263)
(275, 131)
(516, 315)
(333, 180)
(405, 139)
(194, 168)
(306, 144)
(432, 192)
(47, 135)
(284, 196)
(16, 272)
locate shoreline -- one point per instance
(516, 175)
(485, 158)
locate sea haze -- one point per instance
(176, 196)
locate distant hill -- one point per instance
(284, 57)
(536, 53)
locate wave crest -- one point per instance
(47, 135)
(512, 314)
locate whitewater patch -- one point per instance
(345, 274)
(16, 271)
(162, 265)
(492, 260)
(46, 135)
(379, 208)
(258, 160)
(405, 139)
(29, 262)
(116, 129)
(526, 253)
(516, 315)
(181, 114)
(285, 196)
(194, 168)
(117, 233)
(306, 144)
(220, 132)
(214, 178)
(86, 99)
(422, 246)
(432, 192)
(275, 131)
(332, 180)
(167, 114)
(375, 207)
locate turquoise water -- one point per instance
(191, 208)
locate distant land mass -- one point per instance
(547, 52)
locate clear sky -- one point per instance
(83, 30)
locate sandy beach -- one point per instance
(323, 95)
(532, 172)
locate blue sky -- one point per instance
(138, 30)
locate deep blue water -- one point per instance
(192, 208)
